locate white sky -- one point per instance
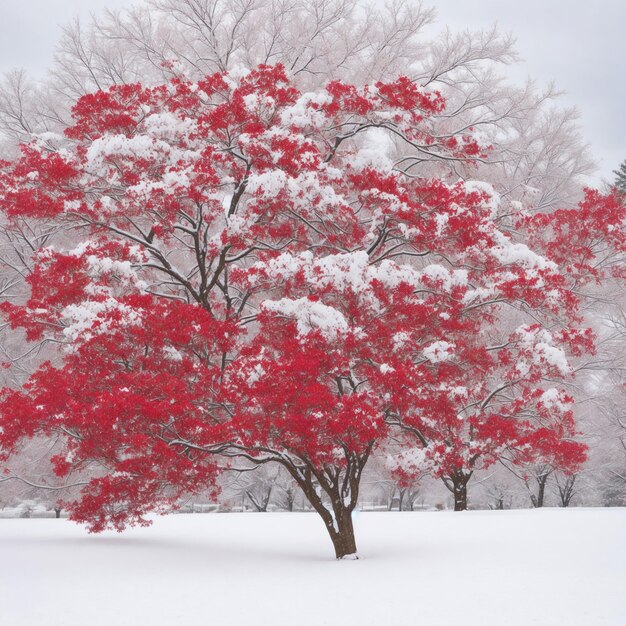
(580, 45)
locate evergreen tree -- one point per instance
(620, 177)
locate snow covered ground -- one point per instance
(550, 567)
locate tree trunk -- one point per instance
(390, 499)
(342, 535)
(57, 512)
(333, 492)
(541, 493)
(290, 500)
(541, 475)
(460, 496)
(538, 500)
(456, 483)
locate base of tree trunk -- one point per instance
(342, 535)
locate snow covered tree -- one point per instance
(254, 279)
(537, 155)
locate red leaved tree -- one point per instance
(253, 278)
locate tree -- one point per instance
(404, 470)
(255, 280)
(566, 486)
(620, 178)
(587, 244)
(536, 157)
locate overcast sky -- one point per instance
(580, 45)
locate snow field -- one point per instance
(550, 567)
